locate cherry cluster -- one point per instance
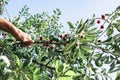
(63, 38)
(49, 43)
(102, 26)
(98, 21)
(4, 34)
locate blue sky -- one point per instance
(72, 10)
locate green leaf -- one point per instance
(70, 24)
(116, 49)
(36, 50)
(81, 54)
(98, 62)
(118, 75)
(2, 42)
(118, 28)
(108, 60)
(117, 25)
(92, 20)
(64, 78)
(107, 14)
(118, 8)
(86, 49)
(108, 39)
(112, 66)
(94, 69)
(20, 78)
(36, 70)
(18, 61)
(71, 73)
(55, 39)
(44, 58)
(116, 15)
(115, 69)
(103, 58)
(110, 31)
(9, 40)
(117, 37)
(59, 66)
(35, 77)
(15, 74)
(98, 55)
(82, 26)
(69, 46)
(44, 24)
(88, 78)
(89, 38)
(51, 36)
(79, 24)
(26, 63)
(55, 53)
(117, 22)
(92, 31)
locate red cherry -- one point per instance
(41, 38)
(0, 5)
(103, 16)
(61, 36)
(61, 43)
(3, 34)
(64, 38)
(81, 37)
(76, 44)
(65, 44)
(46, 44)
(50, 41)
(51, 47)
(98, 21)
(0, 10)
(65, 35)
(102, 27)
(99, 41)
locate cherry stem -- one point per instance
(43, 42)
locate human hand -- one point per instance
(24, 38)
(27, 41)
(17, 33)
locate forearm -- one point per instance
(8, 27)
(17, 33)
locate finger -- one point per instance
(26, 43)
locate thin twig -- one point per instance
(106, 20)
(40, 63)
(49, 61)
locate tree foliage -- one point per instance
(79, 54)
